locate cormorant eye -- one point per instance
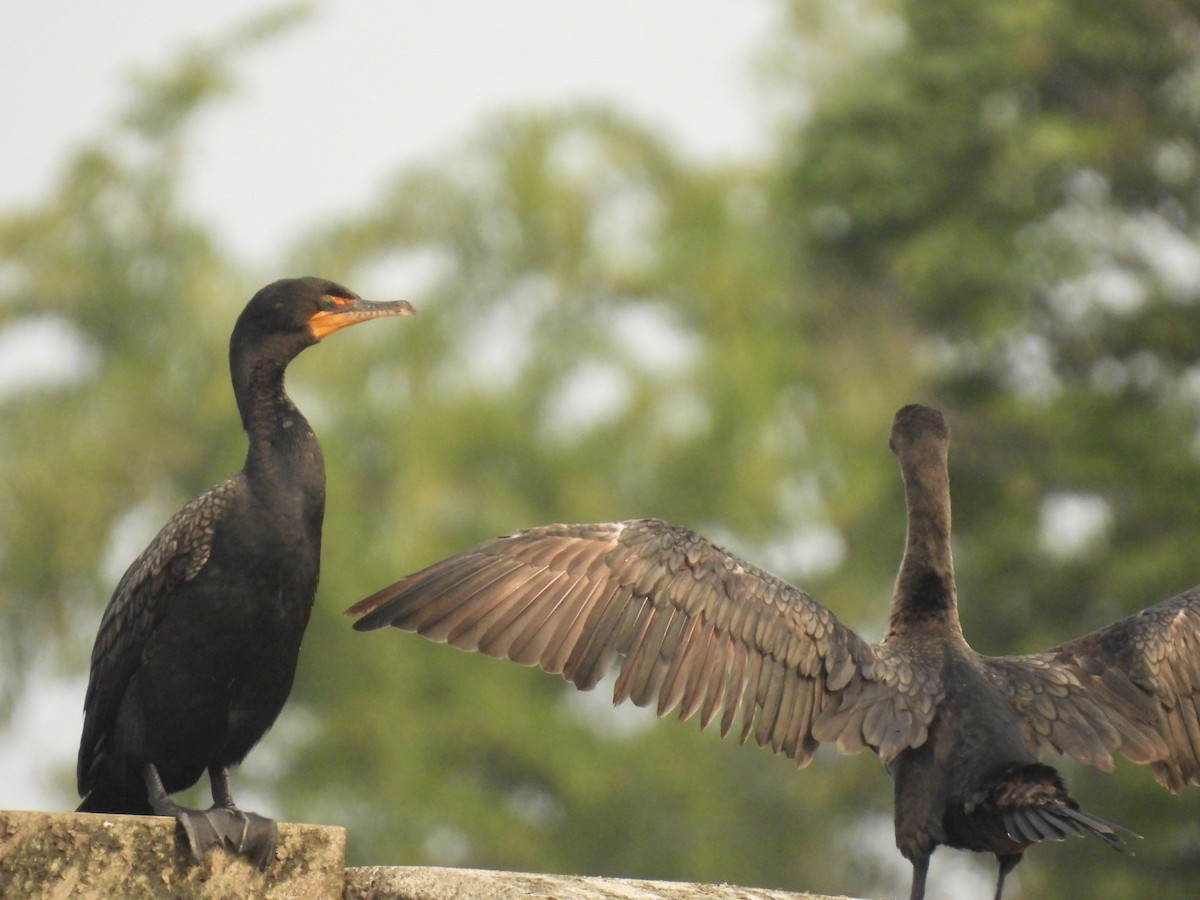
(327, 303)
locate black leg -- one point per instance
(245, 833)
(920, 870)
(160, 800)
(223, 825)
(1008, 862)
(200, 832)
(218, 777)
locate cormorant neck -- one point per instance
(281, 440)
(925, 590)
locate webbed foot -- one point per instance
(245, 834)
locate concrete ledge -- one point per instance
(82, 856)
(430, 883)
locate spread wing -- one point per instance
(176, 555)
(695, 626)
(1132, 687)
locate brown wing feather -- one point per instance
(697, 628)
(1131, 688)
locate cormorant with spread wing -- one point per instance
(197, 648)
(700, 629)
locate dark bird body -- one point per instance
(700, 629)
(197, 649)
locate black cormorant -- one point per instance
(700, 629)
(197, 648)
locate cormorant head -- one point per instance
(294, 313)
(915, 424)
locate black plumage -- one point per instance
(197, 648)
(700, 629)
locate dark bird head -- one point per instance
(916, 425)
(294, 313)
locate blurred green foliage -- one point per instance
(992, 209)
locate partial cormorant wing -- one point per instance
(695, 627)
(177, 554)
(1132, 687)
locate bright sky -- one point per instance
(324, 114)
(364, 86)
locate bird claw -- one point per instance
(248, 835)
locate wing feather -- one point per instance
(563, 640)
(695, 626)
(1130, 688)
(735, 689)
(715, 687)
(592, 647)
(506, 625)
(684, 658)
